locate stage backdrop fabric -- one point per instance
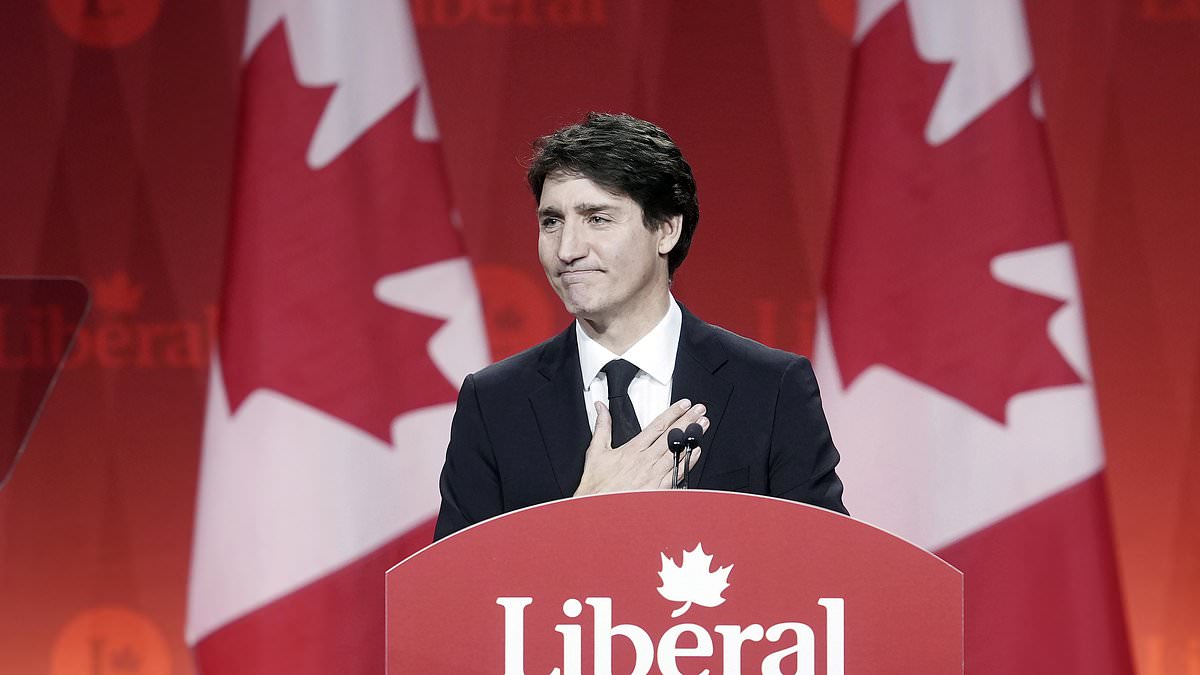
(117, 139)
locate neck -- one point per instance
(617, 334)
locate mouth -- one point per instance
(571, 276)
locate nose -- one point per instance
(572, 243)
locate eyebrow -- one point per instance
(582, 209)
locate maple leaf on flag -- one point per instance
(693, 581)
(912, 284)
(300, 314)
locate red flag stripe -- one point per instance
(293, 636)
(1041, 589)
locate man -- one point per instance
(616, 213)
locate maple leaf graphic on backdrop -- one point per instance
(309, 245)
(693, 581)
(920, 226)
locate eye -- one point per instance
(550, 223)
(597, 219)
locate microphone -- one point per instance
(676, 443)
(691, 438)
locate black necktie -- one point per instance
(624, 420)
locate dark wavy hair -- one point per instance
(624, 155)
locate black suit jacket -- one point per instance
(520, 430)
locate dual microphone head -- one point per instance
(680, 439)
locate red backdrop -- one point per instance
(116, 144)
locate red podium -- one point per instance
(674, 582)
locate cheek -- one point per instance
(545, 249)
(640, 256)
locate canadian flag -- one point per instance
(951, 348)
(349, 317)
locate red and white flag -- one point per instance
(349, 317)
(951, 348)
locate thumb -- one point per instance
(603, 433)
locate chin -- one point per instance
(583, 310)
(579, 307)
(579, 311)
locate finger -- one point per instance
(665, 463)
(664, 469)
(694, 414)
(659, 425)
(603, 433)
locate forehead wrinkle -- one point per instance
(586, 208)
(583, 209)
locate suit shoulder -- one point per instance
(755, 355)
(514, 368)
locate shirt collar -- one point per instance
(654, 353)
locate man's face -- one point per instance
(597, 252)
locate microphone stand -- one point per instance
(676, 443)
(691, 438)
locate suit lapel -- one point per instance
(699, 357)
(558, 406)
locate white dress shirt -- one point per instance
(654, 355)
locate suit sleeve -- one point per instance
(803, 457)
(470, 483)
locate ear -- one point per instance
(668, 234)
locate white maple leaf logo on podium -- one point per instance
(693, 581)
